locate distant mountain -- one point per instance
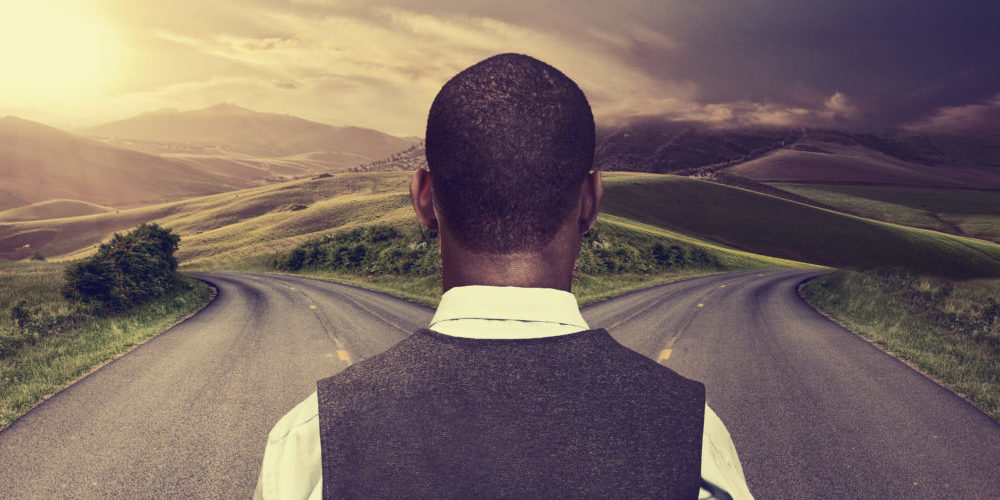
(227, 128)
(647, 144)
(407, 160)
(39, 163)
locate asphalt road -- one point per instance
(815, 412)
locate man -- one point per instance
(509, 393)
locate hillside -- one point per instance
(228, 226)
(649, 144)
(245, 225)
(252, 224)
(52, 209)
(773, 226)
(841, 159)
(965, 212)
(227, 129)
(40, 163)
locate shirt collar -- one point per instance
(555, 311)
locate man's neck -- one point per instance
(550, 267)
(522, 270)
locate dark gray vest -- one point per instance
(573, 416)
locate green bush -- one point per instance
(610, 250)
(127, 271)
(379, 250)
(383, 250)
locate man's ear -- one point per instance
(422, 197)
(590, 200)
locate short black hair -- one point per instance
(509, 141)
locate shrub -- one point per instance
(127, 271)
(610, 250)
(367, 250)
(384, 250)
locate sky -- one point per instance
(924, 65)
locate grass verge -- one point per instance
(948, 329)
(37, 371)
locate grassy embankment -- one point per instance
(949, 329)
(50, 360)
(957, 211)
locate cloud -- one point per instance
(259, 44)
(382, 68)
(285, 85)
(971, 118)
(846, 63)
(839, 106)
(836, 110)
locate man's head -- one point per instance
(510, 141)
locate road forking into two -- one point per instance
(815, 412)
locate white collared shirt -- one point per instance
(292, 467)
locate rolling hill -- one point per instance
(230, 226)
(217, 149)
(245, 225)
(40, 163)
(774, 226)
(840, 160)
(52, 209)
(656, 145)
(252, 224)
(964, 212)
(227, 129)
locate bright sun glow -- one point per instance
(54, 48)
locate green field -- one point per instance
(958, 211)
(51, 359)
(946, 328)
(768, 225)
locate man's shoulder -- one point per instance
(379, 366)
(625, 359)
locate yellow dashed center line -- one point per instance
(343, 355)
(701, 305)
(664, 355)
(722, 286)
(312, 306)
